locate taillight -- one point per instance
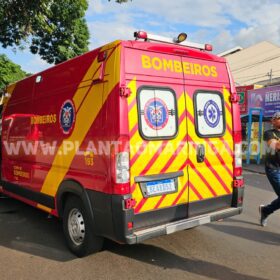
(130, 225)
(237, 137)
(129, 203)
(120, 166)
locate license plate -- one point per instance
(160, 187)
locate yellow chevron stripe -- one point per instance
(214, 161)
(226, 94)
(171, 197)
(227, 158)
(209, 177)
(161, 161)
(150, 204)
(216, 165)
(167, 153)
(133, 118)
(228, 137)
(185, 197)
(193, 197)
(84, 119)
(204, 170)
(132, 86)
(137, 139)
(198, 183)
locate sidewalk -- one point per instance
(253, 167)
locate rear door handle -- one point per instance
(200, 153)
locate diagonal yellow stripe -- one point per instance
(44, 208)
(86, 83)
(85, 117)
(10, 90)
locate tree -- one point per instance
(56, 30)
(9, 72)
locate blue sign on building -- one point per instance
(266, 98)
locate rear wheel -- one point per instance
(78, 229)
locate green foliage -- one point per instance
(56, 30)
(9, 72)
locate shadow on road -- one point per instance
(235, 220)
(26, 229)
(256, 234)
(156, 256)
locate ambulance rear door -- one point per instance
(158, 136)
(209, 126)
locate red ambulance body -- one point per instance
(130, 141)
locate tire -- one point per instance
(78, 229)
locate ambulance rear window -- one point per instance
(157, 113)
(209, 113)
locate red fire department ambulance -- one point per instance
(130, 141)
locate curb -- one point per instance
(253, 170)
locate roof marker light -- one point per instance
(208, 47)
(141, 35)
(181, 38)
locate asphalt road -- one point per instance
(32, 247)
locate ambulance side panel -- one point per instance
(17, 131)
(64, 154)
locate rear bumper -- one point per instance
(141, 235)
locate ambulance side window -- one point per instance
(209, 113)
(20, 129)
(157, 113)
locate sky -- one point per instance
(223, 23)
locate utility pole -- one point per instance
(269, 74)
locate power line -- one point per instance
(257, 63)
(254, 77)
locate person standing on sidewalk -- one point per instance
(272, 167)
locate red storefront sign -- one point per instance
(243, 93)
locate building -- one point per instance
(256, 72)
(258, 64)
